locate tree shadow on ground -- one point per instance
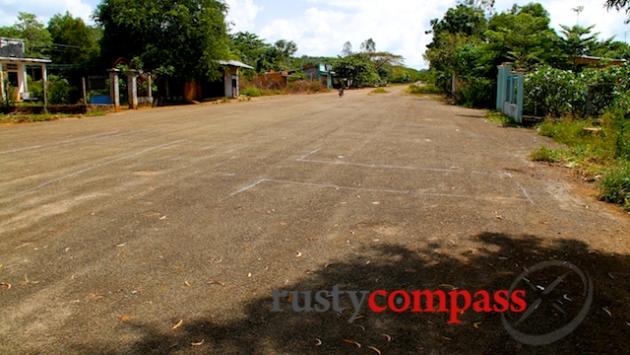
(494, 265)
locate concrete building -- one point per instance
(230, 76)
(13, 65)
(320, 72)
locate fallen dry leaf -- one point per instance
(212, 282)
(199, 343)
(187, 284)
(350, 341)
(388, 337)
(125, 318)
(318, 342)
(179, 324)
(375, 350)
(6, 285)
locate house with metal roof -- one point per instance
(13, 69)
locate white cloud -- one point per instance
(607, 23)
(44, 9)
(395, 25)
(242, 14)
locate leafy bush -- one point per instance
(427, 89)
(615, 185)
(617, 122)
(251, 91)
(59, 90)
(474, 92)
(554, 92)
(605, 87)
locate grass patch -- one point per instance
(547, 155)
(379, 91)
(423, 90)
(500, 118)
(21, 118)
(252, 92)
(593, 153)
(615, 185)
(589, 152)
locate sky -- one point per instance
(321, 27)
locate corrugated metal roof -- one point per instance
(25, 60)
(234, 63)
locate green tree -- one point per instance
(35, 35)
(74, 41)
(523, 36)
(358, 69)
(577, 41)
(249, 48)
(368, 46)
(180, 38)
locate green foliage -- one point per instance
(570, 132)
(557, 92)
(379, 91)
(468, 44)
(544, 154)
(181, 38)
(358, 69)
(59, 90)
(615, 186)
(35, 35)
(251, 91)
(254, 51)
(554, 92)
(75, 42)
(498, 117)
(426, 89)
(474, 92)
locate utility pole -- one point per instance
(578, 10)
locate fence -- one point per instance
(510, 92)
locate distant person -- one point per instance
(342, 89)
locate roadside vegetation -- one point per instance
(423, 89)
(379, 91)
(43, 117)
(584, 107)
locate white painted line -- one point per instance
(308, 154)
(525, 192)
(248, 187)
(67, 141)
(391, 191)
(95, 166)
(379, 166)
(521, 187)
(339, 187)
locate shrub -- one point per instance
(617, 121)
(423, 89)
(306, 86)
(499, 117)
(251, 91)
(554, 92)
(474, 92)
(59, 90)
(615, 185)
(567, 132)
(379, 91)
(546, 155)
